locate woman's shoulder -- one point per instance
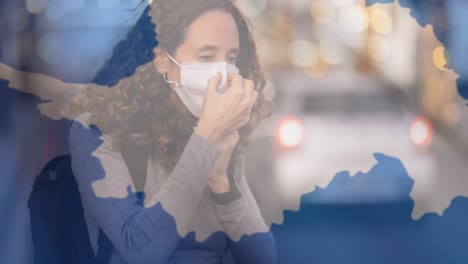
(81, 126)
(84, 133)
(83, 119)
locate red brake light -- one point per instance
(290, 132)
(420, 131)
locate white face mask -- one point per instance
(194, 78)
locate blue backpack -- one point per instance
(58, 226)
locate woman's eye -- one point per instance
(205, 58)
(232, 60)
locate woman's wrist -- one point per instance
(208, 133)
(219, 184)
(225, 190)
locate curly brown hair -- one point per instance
(142, 108)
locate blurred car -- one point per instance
(327, 125)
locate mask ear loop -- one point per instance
(170, 82)
(164, 75)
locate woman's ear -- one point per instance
(161, 62)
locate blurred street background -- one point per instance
(348, 79)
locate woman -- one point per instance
(193, 112)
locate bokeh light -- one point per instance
(331, 51)
(36, 6)
(353, 19)
(54, 11)
(252, 8)
(421, 131)
(342, 3)
(322, 11)
(381, 21)
(438, 56)
(302, 53)
(378, 48)
(49, 48)
(290, 132)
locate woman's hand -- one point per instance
(224, 113)
(218, 180)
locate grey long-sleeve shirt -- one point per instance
(177, 221)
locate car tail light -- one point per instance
(420, 131)
(290, 132)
